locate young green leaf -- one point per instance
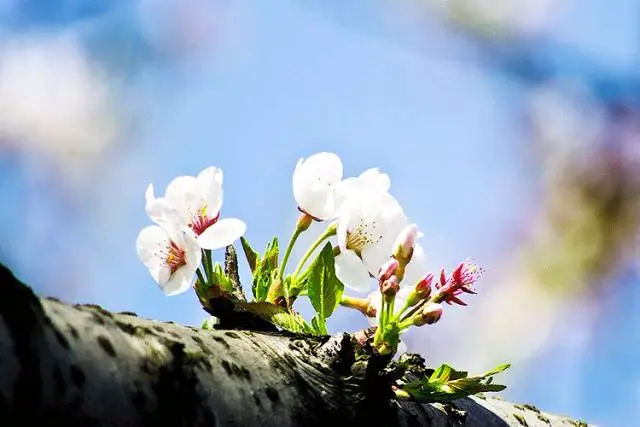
(277, 315)
(323, 287)
(446, 384)
(264, 271)
(319, 325)
(253, 257)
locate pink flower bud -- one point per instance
(390, 287)
(388, 269)
(423, 288)
(405, 243)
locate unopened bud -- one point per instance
(405, 243)
(430, 314)
(423, 287)
(421, 291)
(390, 287)
(304, 221)
(388, 269)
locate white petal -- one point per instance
(210, 183)
(341, 233)
(180, 282)
(314, 184)
(222, 233)
(417, 267)
(183, 278)
(352, 272)
(376, 180)
(184, 194)
(151, 246)
(160, 211)
(152, 207)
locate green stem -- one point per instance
(415, 309)
(287, 252)
(399, 314)
(390, 305)
(200, 277)
(330, 231)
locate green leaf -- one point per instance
(441, 374)
(264, 271)
(446, 384)
(252, 256)
(324, 288)
(221, 279)
(279, 316)
(319, 325)
(299, 287)
(446, 373)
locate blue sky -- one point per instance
(299, 78)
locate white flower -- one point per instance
(195, 202)
(375, 300)
(369, 224)
(172, 256)
(315, 181)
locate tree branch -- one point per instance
(78, 365)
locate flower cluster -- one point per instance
(188, 227)
(374, 241)
(368, 239)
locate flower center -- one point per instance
(201, 221)
(361, 237)
(175, 258)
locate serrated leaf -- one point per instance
(323, 287)
(252, 256)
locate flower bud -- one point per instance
(423, 287)
(388, 269)
(430, 314)
(390, 287)
(405, 243)
(421, 291)
(304, 221)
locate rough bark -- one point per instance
(78, 365)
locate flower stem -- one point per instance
(415, 309)
(287, 252)
(399, 314)
(330, 231)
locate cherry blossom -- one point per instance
(368, 226)
(171, 254)
(195, 202)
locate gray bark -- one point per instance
(78, 365)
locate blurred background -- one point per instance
(510, 130)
